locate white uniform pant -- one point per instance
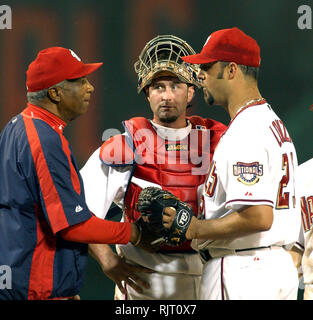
(177, 276)
(267, 274)
(164, 287)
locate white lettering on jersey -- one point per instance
(307, 212)
(280, 132)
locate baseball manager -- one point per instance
(45, 224)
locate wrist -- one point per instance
(136, 233)
(191, 231)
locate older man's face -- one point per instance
(75, 97)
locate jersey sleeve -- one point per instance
(104, 184)
(246, 177)
(62, 195)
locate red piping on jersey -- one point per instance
(41, 272)
(74, 176)
(57, 124)
(246, 107)
(50, 195)
(35, 112)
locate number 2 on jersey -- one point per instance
(282, 201)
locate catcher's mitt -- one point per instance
(151, 203)
(151, 238)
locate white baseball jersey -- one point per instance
(305, 185)
(254, 164)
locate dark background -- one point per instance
(116, 31)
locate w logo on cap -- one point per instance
(207, 40)
(74, 55)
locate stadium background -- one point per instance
(115, 32)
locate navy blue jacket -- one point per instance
(41, 193)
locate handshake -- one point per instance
(164, 219)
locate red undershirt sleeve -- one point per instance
(96, 230)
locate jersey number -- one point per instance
(282, 201)
(211, 181)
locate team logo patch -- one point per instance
(176, 147)
(248, 173)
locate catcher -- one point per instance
(154, 153)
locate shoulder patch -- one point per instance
(248, 173)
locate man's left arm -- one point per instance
(247, 221)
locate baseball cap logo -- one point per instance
(74, 55)
(207, 40)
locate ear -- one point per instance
(232, 69)
(190, 93)
(146, 91)
(53, 94)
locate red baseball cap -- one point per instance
(230, 45)
(53, 65)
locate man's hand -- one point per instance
(168, 217)
(171, 229)
(118, 270)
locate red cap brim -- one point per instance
(85, 70)
(198, 59)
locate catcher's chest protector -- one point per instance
(177, 166)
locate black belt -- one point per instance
(205, 254)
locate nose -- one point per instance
(90, 87)
(167, 94)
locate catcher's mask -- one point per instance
(163, 54)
